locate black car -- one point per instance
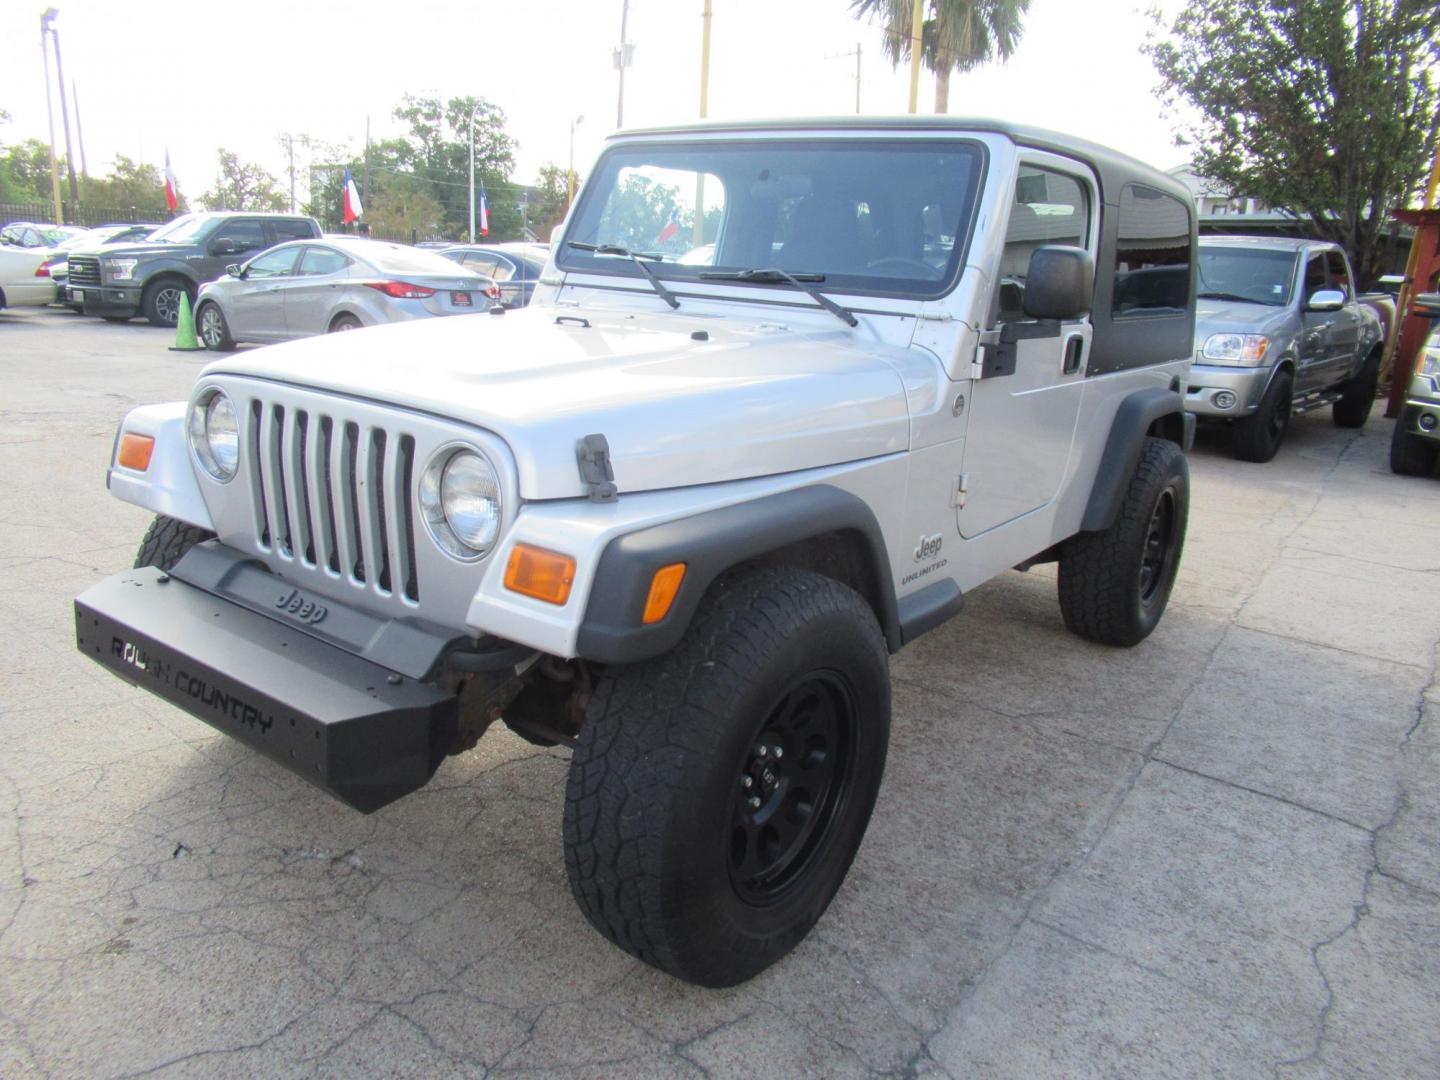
(515, 267)
(150, 278)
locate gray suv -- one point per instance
(150, 278)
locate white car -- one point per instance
(21, 285)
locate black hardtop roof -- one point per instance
(1114, 168)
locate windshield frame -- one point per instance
(1246, 249)
(681, 284)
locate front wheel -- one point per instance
(719, 792)
(214, 330)
(160, 302)
(1115, 584)
(1258, 437)
(1410, 455)
(167, 540)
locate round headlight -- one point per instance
(215, 434)
(460, 498)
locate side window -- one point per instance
(317, 261)
(1315, 277)
(271, 264)
(1336, 276)
(1152, 269)
(293, 230)
(1050, 208)
(504, 271)
(480, 263)
(246, 235)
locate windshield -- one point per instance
(182, 230)
(879, 216)
(1252, 275)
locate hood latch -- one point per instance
(592, 454)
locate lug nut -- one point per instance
(747, 781)
(762, 751)
(779, 752)
(754, 802)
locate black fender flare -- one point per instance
(1133, 420)
(709, 543)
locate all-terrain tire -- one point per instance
(1410, 455)
(1258, 436)
(160, 302)
(667, 851)
(1114, 584)
(1357, 397)
(167, 540)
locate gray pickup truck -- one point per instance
(1279, 330)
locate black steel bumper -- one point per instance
(350, 726)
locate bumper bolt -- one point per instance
(393, 680)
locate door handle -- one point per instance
(1074, 354)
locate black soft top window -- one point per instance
(889, 217)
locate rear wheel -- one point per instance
(1115, 584)
(214, 330)
(1410, 455)
(1357, 397)
(719, 792)
(1258, 437)
(160, 302)
(344, 322)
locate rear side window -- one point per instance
(293, 230)
(1152, 269)
(319, 261)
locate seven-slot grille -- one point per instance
(84, 270)
(332, 494)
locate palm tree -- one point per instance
(957, 35)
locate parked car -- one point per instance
(1415, 442)
(516, 267)
(1278, 330)
(149, 279)
(319, 286)
(22, 284)
(102, 235)
(677, 517)
(28, 234)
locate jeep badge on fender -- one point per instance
(667, 514)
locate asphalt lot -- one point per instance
(1215, 854)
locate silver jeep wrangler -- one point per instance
(786, 392)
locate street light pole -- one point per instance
(49, 19)
(570, 174)
(50, 116)
(622, 59)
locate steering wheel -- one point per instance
(899, 261)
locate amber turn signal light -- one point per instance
(544, 575)
(663, 588)
(135, 451)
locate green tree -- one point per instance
(243, 185)
(1325, 109)
(25, 172)
(130, 185)
(439, 154)
(955, 35)
(549, 209)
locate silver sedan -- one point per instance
(317, 286)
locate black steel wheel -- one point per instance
(1411, 454)
(160, 303)
(214, 331)
(1258, 436)
(719, 792)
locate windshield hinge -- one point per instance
(592, 454)
(935, 316)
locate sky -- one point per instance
(192, 77)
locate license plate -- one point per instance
(460, 299)
(78, 294)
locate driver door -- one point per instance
(1022, 424)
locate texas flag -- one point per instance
(172, 189)
(484, 213)
(351, 195)
(671, 227)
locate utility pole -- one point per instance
(50, 16)
(50, 115)
(79, 131)
(698, 232)
(917, 14)
(290, 150)
(472, 170)
(365, 178)
(623, 55)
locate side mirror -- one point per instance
(1326, 300)
(234, 270)
(1059, 283)
(224, 246)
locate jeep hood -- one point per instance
(749, 399)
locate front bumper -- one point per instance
(108, 300)
(1417, 413)
(1207, 380)
(350, 726)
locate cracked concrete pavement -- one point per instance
(1217, 853)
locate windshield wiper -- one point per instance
(612, 249)
(1230, 296)
(776, 276)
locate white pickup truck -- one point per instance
(785, 393)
